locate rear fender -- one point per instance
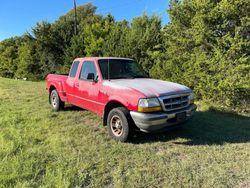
(59, 86)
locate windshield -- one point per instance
(120, 68)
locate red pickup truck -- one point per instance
(119, 91)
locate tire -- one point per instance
(119, 124)
(55, 101)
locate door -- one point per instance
(89, 87)
(72, 84)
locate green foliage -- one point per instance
(141, 41)
(95, 34)
(27, 62)
(117, 41)
(145, 40)
(206, 46)
(8, 56)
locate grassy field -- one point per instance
(41, 148)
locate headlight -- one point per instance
(149, 105)
(191, 98)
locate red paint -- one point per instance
(94, 96)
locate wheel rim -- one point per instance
(53, 99)
(116, 125)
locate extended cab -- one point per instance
(119, 91)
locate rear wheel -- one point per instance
(55, 101)
(119, 125)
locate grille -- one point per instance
(175, 102)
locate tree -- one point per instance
(116, 43)
(141, 41)
(145, 39)
(95, 34)
(207, 48)
(28, 66)
(8, 56)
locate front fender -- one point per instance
(129, 102)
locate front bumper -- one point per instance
(150, 122)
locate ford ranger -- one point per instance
(119, 91)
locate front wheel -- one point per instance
(55, 101)
(118, 124)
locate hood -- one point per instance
(148, 87)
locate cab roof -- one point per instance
(98, 58)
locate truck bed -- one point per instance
(58, 81)
(57, 77)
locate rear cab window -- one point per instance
(73, 69)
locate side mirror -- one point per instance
(91, 76)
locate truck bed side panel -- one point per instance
(58, 82)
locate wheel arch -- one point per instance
(51, 88)
(108, 107)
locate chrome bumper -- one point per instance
(149, 122)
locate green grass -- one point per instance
(41, 148)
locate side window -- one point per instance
(73, 69)
(87, 67)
